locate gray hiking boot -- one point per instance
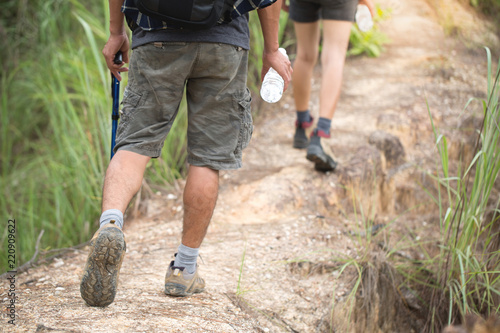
(180, 283)
(315, 153)
(100, 275)
(300, 139)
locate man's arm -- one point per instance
(118, 39)
(269, 22)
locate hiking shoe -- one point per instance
(100, 275)
(180, 283)
(315, 153)
(300, 139)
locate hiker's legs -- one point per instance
(335, 42)
(200, 197)
(307, 35)
(123, 179)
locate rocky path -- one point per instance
(267, 258)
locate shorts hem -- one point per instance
(215, 165)
(312, 20)
(141, 151)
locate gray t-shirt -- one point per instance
(235, 33)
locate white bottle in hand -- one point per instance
(273, 84)
(364, 18)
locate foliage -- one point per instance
(370, 42)
(468, 263)
(55, 123)
(489, 7)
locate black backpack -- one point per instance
(188, 14)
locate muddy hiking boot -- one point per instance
(300, 139)
(100, 275)
(180, 283)
(315, 153)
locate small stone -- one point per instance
(58, 263)
(60, 288)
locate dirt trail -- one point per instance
(277, 210)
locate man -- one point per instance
(336, 17)
(212, 65)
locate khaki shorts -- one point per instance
(308, 11)
(219, 116)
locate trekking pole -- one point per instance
(115, 93)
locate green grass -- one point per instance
(55, 124)
(464, 275)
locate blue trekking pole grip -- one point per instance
(115, 93)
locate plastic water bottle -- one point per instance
(273, 84)
(364, 18)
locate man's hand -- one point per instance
(116, 42)
(280, 63)
(370, 5)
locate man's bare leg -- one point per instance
(107, 247)
(200, 197)
(123, 179)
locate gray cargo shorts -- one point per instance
(308, 11)
(219, 117)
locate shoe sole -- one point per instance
(179, 290)
(320, 160)
(100, 278)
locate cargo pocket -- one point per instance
(129, 109)
(246, 120)
(129, 104)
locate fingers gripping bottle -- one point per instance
(364, 18)
(273, 84)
